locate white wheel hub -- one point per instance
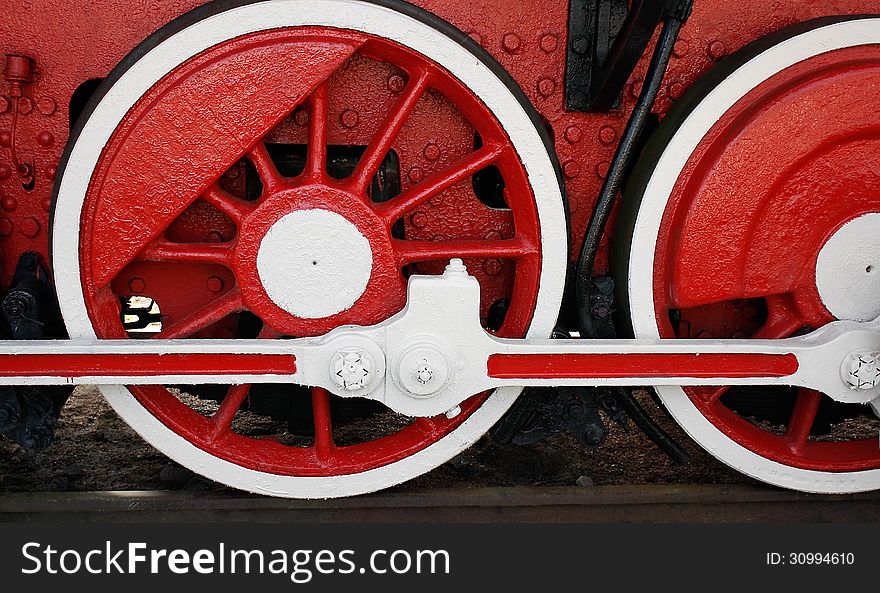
(848, 270)
(314, 263)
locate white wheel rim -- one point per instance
(345, 14)
(647, 228)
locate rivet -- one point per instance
(4, 104)
(45, 138)
(492, 267)
(5, 171)
(5, 227)
(5, 139)
(10, 203)
(137, 285)
(46, 204)
(25, 105)
(602, 169)
(396, 83)
(510, 42)
(47, 105)
(675, 90)
(580, 44)
(680, 49)
(549, 42)
(546, 86)
(571, 169)
(432, 152)
(301, 117)
(349, 118)
(30, 227)
(51, 171)
(214, 237)
(215, 284)
(573, 134)
(419, 219)
(416, 174)
(635, 89)
(607, 134)
(717, 50)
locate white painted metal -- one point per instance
(439, 355)
(640, 288)
(314, 263)
(345, 14)
(848, 270)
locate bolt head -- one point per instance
(862, 370)
(352, 369)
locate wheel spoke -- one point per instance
(782, 319)
(265, 166)
(316, 156)
(390, 128)
(439, 182)
(806, 406)
(324, 445)
(221, 421)
(168, 251)
(205, 316)
(414, 251)
(233, 207)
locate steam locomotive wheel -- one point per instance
(147, 203)
(759, 216)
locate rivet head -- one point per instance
(25, 105)
(214, 284)
(549, 42)
(5, 227)
(47, 105)
(419, 219)
(580, 44)
(137, 285)
(607, 134)
(45, 139)
(573, 134)
(571, 169)
(4, 104)
(301, 117)
(680, 49)
(716, 50)
(30, 227)
(349, 118)
(9, 203)
(546, 86)
(416, 174)
(602, 169)
(675, 90)
(510, 42)
(396, 83)
(432, 152)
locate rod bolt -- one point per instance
(861, 370)
(352, 369)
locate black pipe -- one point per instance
(620, 166)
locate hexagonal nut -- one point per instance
(862, 370)
(352, 369)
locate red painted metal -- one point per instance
(118, 365)
(612, 366)
(71, 43)
(763, 191)
(194, 166)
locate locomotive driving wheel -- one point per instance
(759, 216)
(275, 169)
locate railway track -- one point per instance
(735, 503)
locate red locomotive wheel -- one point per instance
(760, 217)
(237, 170)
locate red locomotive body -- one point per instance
(280, 168)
